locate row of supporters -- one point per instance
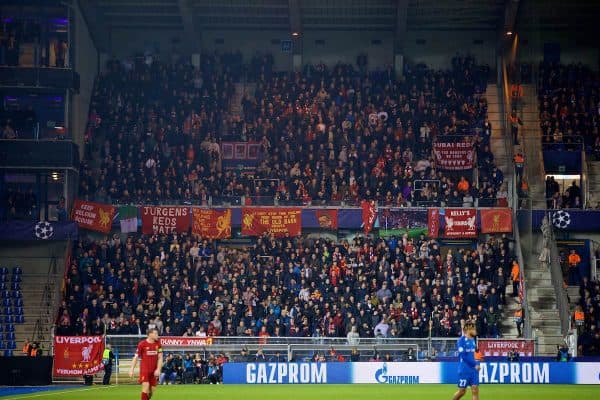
(289, 221)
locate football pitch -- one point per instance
(315, 392)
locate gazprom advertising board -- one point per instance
(403, 373)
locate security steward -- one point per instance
(107, 359)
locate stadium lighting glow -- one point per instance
(295, 34)
(508, 33)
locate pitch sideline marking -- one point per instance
(53, 392)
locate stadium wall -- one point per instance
(409, 373)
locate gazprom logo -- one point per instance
(381, 376)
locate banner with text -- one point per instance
(501, 347)
(211, 224)
(455, 156)
(78, 355)
(496, 220)
(460, 223)
(280, 221)
(409, 373)
(165, 220)
(93, 216)
(170, 342)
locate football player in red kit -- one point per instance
(149, 352)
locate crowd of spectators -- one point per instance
(570, 107)
(327, 135)
(288, 287)
(588, 340)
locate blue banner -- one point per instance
(409, 373)
(42, 230)
(572, 220)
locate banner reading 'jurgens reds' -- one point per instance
(78, 355)
(164, 220)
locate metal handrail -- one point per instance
(562, 301)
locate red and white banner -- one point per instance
(455, 156)
(433, 222)
(185, 341)
(496, 220)
(211, 224)
(279, 221)
(78, 355)
(460, 223)
(501, 347)
(369, 214)
(164, 220)
(93, 216)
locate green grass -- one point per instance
(315, 392)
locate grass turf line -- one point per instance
(312, 392)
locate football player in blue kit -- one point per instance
(468, 366)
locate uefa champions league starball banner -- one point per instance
(571, 220)
(409, 373)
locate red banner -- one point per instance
(185, 341)
(433, 222)
(369, 214)
(328, 219)
(455, 156)
(278, 221)
(164, 220)
(77, 355)
(501, 347)
(496, 220)
(93, 216)
(460, 223)
(211, 224)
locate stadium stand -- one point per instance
(327, 136)
(284, 287)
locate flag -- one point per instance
(433, 222)
(369, 214)
(128, 218)
(78, 355)
(41, 230)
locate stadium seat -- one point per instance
(8, 353)
(3, 270)
(3, 278)
(5, 294)
(6, 303)
(3, 286)
(18, 302)
(1, 327)
(1, 336)
(19, 319)
(7, 311)
(16, 278)
(17, 310)
(16, 294)
(10, 336)
(9, 328)
(15, 286)
(17, 270)
(9, 319)
(11, 345)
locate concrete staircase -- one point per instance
(507, 324)
(541, 297)
(43, 266)
(531, 145)
(241, 89)
(497, 143)
(593, 182)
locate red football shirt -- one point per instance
(148, 354)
